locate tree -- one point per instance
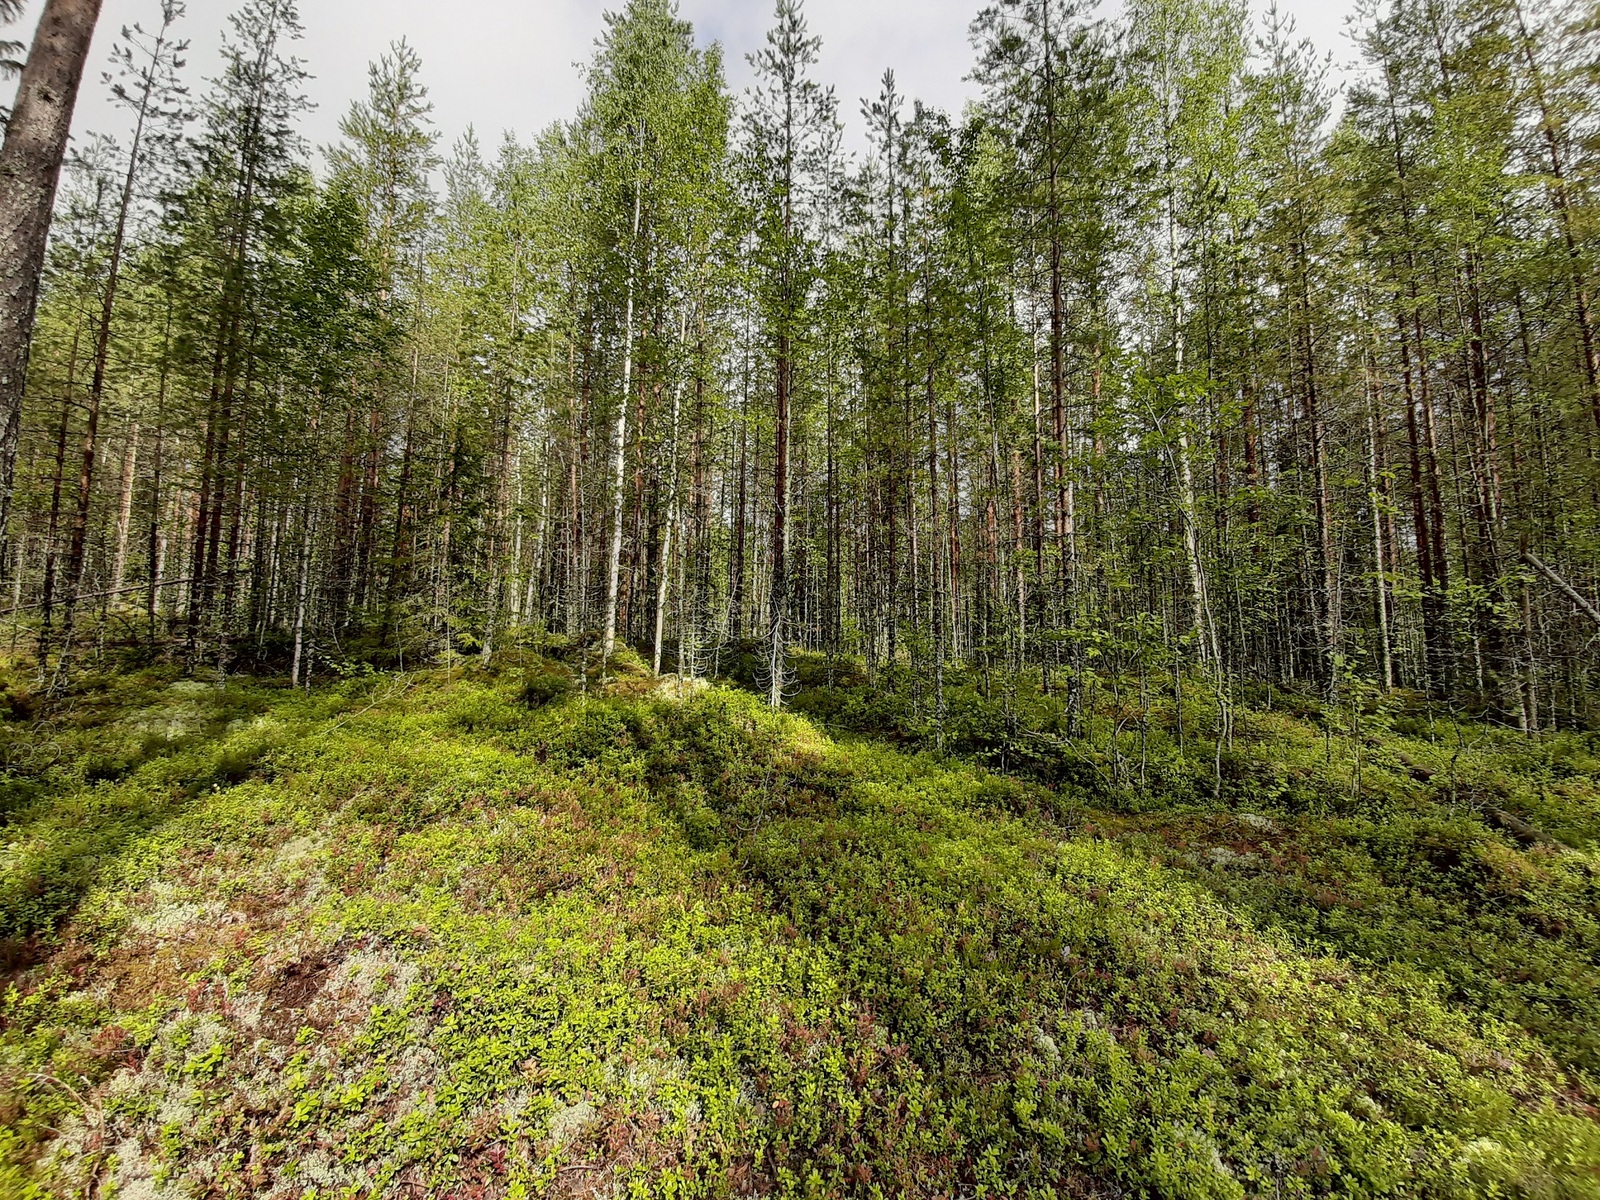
(1154, 370)
(11, 52)
(149, 88)
(30, 166)
(788, 131)
(235, 208)
(384, 164)
(654, 118)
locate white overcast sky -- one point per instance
(511, 64)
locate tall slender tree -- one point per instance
(788, 130)
(150, 89)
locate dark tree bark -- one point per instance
(30, 167)
(52, 550)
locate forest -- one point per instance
(758, 642)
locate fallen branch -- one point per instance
(1572, 593)
(138, 587)
(1528, 835)
(398, 686)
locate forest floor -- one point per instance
(461, 934)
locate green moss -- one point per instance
(414, 933)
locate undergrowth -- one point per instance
(1382, 831)
(458, 934)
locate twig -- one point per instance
(379, 696)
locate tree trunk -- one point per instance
(130, 462)
(619, 459)
(30, 167)
(1379, 558)
(741, 517)
(1433, 649)
(668, 539)
(935, 570)
(777, 658)
(97, 387)
(302, 593)
(52, 555)
(1561, 206)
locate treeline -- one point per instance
(1166, 356)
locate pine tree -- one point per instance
(149, 87)
(233, 212)
(788, 136)
(30, 166)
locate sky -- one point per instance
(503, 65)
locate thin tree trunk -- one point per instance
(302, 594)
(1561, 206)
(130, 462)
(157, 536)
(102, 353)
(1379, 576)
(736, 564)
(667, 544)
(935, 577)
(779, 598)
(1579, 600)
(620, 452)
(52, 550)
